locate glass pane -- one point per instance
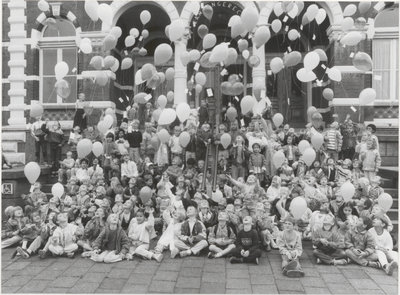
(382, 87)
(62, 28)
(69, 56)
(49, 61)
(381, 54)
(73, 84)
(396, 97)
(49, 94)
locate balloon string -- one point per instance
(50, 95)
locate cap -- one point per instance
(247, 220)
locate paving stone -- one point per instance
(131, 264)
(113, 284)
(134, 289)
(83, 286)
(363, 284)
(191, 272)
(185, 282)
(79, 262)
(264, 289)
(341, 288)
(289, 285)
(166, 275)
(212, 288)
(261, 280)
(242, 266)
(18, 265)
(4, 264)
(237, 273)
(34, 286)
(45, 262)
(325, 269)
(55, 290)
(316, 290)
(368, 291)
(311, 272)
(238, 291)
(384, 279)
(75, 271)
(119, 273)
(192, 263)
(161, 287)
(7, 274)
(61, 264)
(219, 268)
(30, 271)
(145, 269)
(186, 291)
(9, 290)
(355, 273)
(49, 275)
(17, 281)
(94, 277)
(142, 279)
(333, 278)
(213, 278)
(390, 289)
(64, 282)
(107, 291)
(102, 267)
(310, 281)
(235, 283)
(170, 266)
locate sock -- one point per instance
(24, 243)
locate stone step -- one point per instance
(394, 192)
(13, 136)
(15, 158)
(10, 146)
(393, 214)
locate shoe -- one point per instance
(128, 256)
(256, 261)
(268, 248)
(319, 261)
(235, 260)
(391, 267)
(86, 254)
(348, 260)
(295, 273)
(374, 264)
(14, 254)
(184, 253)
(174, 252)
(158, 257)
(42, 254)
(23, 252)
(211, 255)
(339, 262)
(71, 255)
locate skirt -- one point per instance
(79, 120)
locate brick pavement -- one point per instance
(188, 275)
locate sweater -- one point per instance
(122, 241)
(134, 138)
(290, 243)
(331, 236)
(247, 240)
(371, 160)
(360, 240)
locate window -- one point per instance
(385, 56)
(57, 44)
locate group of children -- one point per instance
(142, 189)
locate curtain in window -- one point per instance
(381, 59)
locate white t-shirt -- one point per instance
(384, 240)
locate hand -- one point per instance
(348, 117)
(83, 116)
(36, 138)
(242, 253)
(246, 254)
(122, 255)
(190, 240)
(15, 233)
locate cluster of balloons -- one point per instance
(108, 121)
(62, 86)
(148, 73)
(233, 86)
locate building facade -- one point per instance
(35, 41)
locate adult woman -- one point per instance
(80, 116)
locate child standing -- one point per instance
(371, 160)
(257, 162)
(73, 140)
(65, 170)
(56, 139)
(135, 138)
(203, 112)
(174, 144)
(239, 154)
(40, 144)
(247, 244)
(290, 248)
(80, 116)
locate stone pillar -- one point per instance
(17, 62)
(180, 80)
(259, 72)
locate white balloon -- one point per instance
(134, 32)
(350, 10)
(305, 76)
(294, 11)
(278, 9)
(167, 117)
(91, 9)
(129, 41)
(312, 12)
(115, 67)
(176, 30)
(61, 70)
(195, 7)
(183, 111)
(105, 13)
(311, 61)
(116, 31)
(43, 5)
(335, 74)
(320, 16)
(138, 77)
(232, 20)
(351, 38)
(245, 54)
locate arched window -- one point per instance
(57, 44)
(385, 55)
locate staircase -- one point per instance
(390, 177)
(13, 146)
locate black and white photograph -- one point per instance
(209, 147)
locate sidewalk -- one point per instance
(189, 275)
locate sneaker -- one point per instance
(374, 264)
(71, 255)
(86, 254)
(128, 256)
(210, 255)
(391, 267)
(158, 257)
(174, 252)
(184, 253)
(268, 248)
(23, 252)
(319, 261)
(273, 245)
(339, 262)
(295, 273)
(256, 261)
(235, 260)
(42, 254)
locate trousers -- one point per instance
(58, 250)
(11, 241)
(195, 248)
(361, 261)
(328, 258)
(389, 257)
(249, 259)
(142, 250)
(106, 257)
